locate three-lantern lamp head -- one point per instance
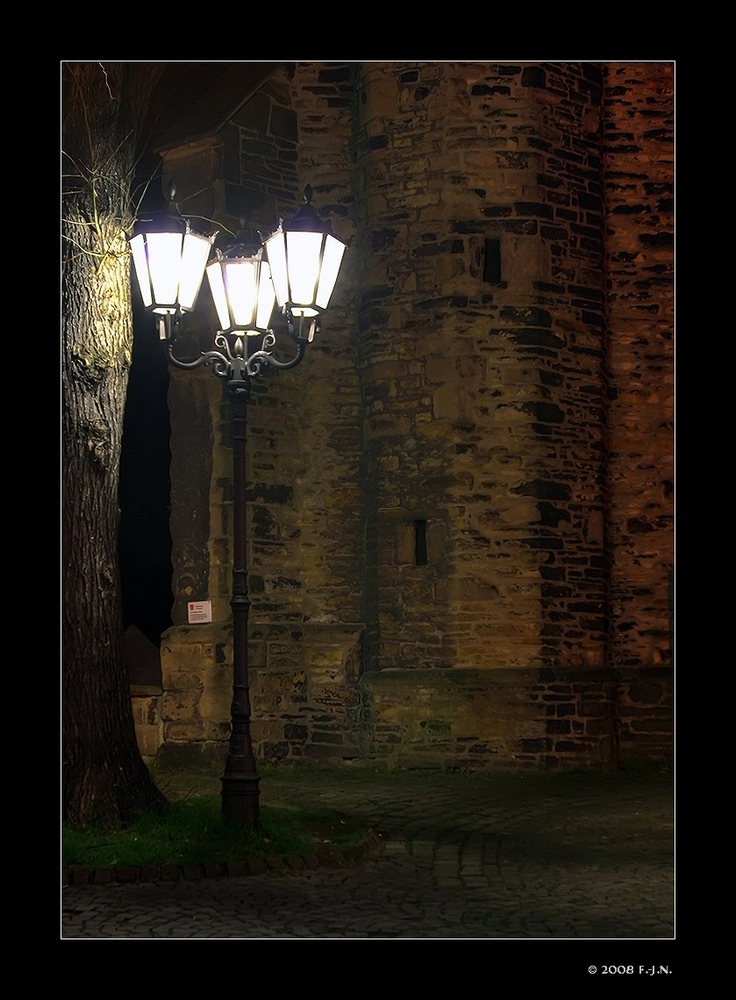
(295, 268)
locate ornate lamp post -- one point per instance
(297, 266)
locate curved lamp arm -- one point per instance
(231, 361)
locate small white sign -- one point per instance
(199, 611)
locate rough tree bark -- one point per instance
(105, 781)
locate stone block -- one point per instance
(149, 728)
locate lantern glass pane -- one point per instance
(193, 260)
(240, 282)
(138, 249)
(303, 261)
(164, 266)
(331, 261)
(217, 287)
(276, 250)
(266, 297)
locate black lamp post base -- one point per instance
(240, 799)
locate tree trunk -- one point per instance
(105, 781)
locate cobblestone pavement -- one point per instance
(531, 856)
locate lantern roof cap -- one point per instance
(247, 243)
(168, 220)
(306, 219)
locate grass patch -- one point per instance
(193, 831)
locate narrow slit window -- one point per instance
(492, 262)
(420, 542)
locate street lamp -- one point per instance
(297, 267)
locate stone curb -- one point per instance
(285, 864)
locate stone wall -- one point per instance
(312, 702)
(483, 346)
(304, 692)
(480, 719)
(460, 504)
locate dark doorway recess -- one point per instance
(145, 539)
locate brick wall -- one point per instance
(638, 172)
